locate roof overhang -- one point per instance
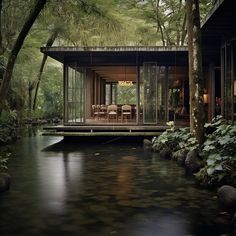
(110, 56)
(219, 26)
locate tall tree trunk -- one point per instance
(15, 50)
(159, 25)
(197, 116)
(30, 89)
(1, 46)
(183, 31)
(48, 44)
(1, 43)
(155, 6)
(178, 23)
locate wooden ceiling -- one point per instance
(116, 73)
(129, 73)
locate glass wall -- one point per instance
(162, 83)
(229, 78)
(155, 97)
(119, 94)
(150, 93)
(164, 94)
(234, 82)
(178, 94)
(227, 82)
(153, 93)
(74, 94)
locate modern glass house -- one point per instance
(151, 81)
(141, 88)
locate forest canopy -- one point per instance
(79, 23)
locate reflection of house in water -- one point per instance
(59, 175)
(152, 80)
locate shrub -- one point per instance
(180, 140)
(8, 123)
(219, 153)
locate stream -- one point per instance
(65, 188)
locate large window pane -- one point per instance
(150, 93)
(228, 83)
(75, 95)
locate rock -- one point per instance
(180, 157)
(147, 142)
(192, 162)
(4, 182)
(227, 197)
(166, 153)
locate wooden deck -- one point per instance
(106, 130)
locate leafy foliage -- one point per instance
(3, 162)
(180, 140)
(81, 23)
(219, 153)
(8, 122)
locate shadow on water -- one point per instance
(70, 188)
(76, 144)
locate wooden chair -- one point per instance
(112, 112)
(126, 112)
(103, 111)
(96, 111)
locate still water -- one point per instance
(122, 190)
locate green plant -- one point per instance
(3, 162)
(180, 140)
(166, 139)
(219, 153)
(8, 117)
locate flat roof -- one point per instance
(212, 11)
(218, 26)
(116, 49)
(119, 55)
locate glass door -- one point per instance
(74, 95)
(149, 93)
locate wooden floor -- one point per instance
(107, 130)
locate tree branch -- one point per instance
(16, 48)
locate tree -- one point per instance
(36, 85)
(1, 46)
(168, 19)
(197, 115)
(15, 50)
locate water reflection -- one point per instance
(57, 175)
(67, 189)
(164, 225)
(125, 177)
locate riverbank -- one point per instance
(213, 164)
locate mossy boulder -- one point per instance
(227, 197)
(192, 162)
